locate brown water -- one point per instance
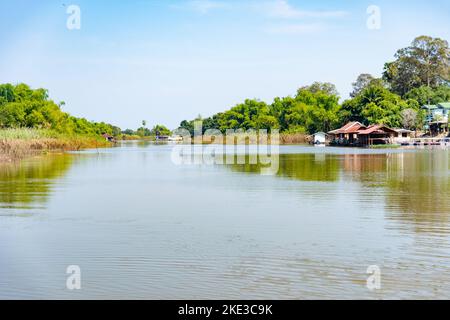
(141, 227)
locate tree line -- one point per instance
(143, 131)
(23, 107)
(419, 75)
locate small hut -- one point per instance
(161, 138)
(108, 137)
(319, 138)
(403, 136)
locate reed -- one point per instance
(284, 138)
(293, 138)
(16, 144)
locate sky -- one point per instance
(165, 61)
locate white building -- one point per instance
(319, 138)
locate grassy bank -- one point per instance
(385, 146)
(284, 138)
(16, 144)
(293, 138)
(130, 137)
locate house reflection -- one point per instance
(415, 185)
(419, 192)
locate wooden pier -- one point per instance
(423, 142)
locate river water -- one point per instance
(141, 227)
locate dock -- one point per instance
(442, 142)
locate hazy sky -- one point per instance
(165, 61)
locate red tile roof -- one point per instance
(378, 128)
(351, 127)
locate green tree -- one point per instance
(187, 125)
(12, 115)
(129, 132)
(425, 95)
(160, 130)
(21, 106)
(317, 107)
(143, 132)
(247, 115)
(324, 87)
(426, 62)
(375, 105)
(363, 81)
(280, 109)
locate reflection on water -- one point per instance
(413, 182)
(415, 185)
(419, 191)
(306, 167)
(140, 226)
(28, 184)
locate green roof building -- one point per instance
(429, 107)
(444, 105)
(437, 117)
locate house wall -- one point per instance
(319, 138)
(401, 139)
(438, 113)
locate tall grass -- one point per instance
(19, 143)
(293, 138)
(27, 134)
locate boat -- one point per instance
(175, 138)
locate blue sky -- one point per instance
(165, 61)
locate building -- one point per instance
(376, 134)
(175, 138)
(319, 138)
(162, 138)
(437, 118)
(359, 135)
(403, 136)
(348, 134)
(108, 137)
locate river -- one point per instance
(140, 226)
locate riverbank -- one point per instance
(16, 144)
(284, 139)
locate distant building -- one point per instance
(319, 138)
(403, 136)
(348, 134)
(161, 138)
(108, 137)
(437, 118)
(376, 134)
(359, 135)
(175, 138)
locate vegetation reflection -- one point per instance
(306, 167)
(28, 184)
